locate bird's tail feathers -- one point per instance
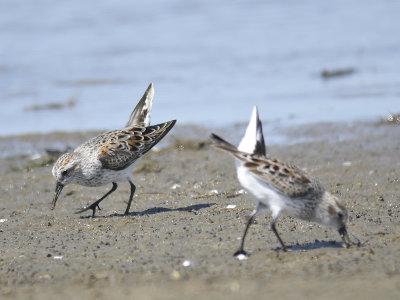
(220, 143)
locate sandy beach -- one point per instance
(188, 215)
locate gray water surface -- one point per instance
(210, 61)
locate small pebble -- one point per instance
(175, 186)
(35, 156)
(175, 275)
(242, 257)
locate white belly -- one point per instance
(261, 191)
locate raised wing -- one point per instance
(253, 140)
(140, 116)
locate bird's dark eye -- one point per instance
(340, 215)
(64, 173)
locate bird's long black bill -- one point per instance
(344, 235)
(59, 187)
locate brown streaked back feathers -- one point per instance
(120, 148)
(285, 178)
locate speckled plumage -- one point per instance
(110, 156)
(281, 187)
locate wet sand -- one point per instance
(180, 214)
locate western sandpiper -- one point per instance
(110, 157)
(279, 187)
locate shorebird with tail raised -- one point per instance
(111, 156)
(281, 188)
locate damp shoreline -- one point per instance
(188, 215)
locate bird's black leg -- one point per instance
(277, 235)
(241, 249)
(95, 205)
(345, 237)
(133, 188)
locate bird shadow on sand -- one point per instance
(157, 210)
(315, 245)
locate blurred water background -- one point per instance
(82, 65)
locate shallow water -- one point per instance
(210, 62)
